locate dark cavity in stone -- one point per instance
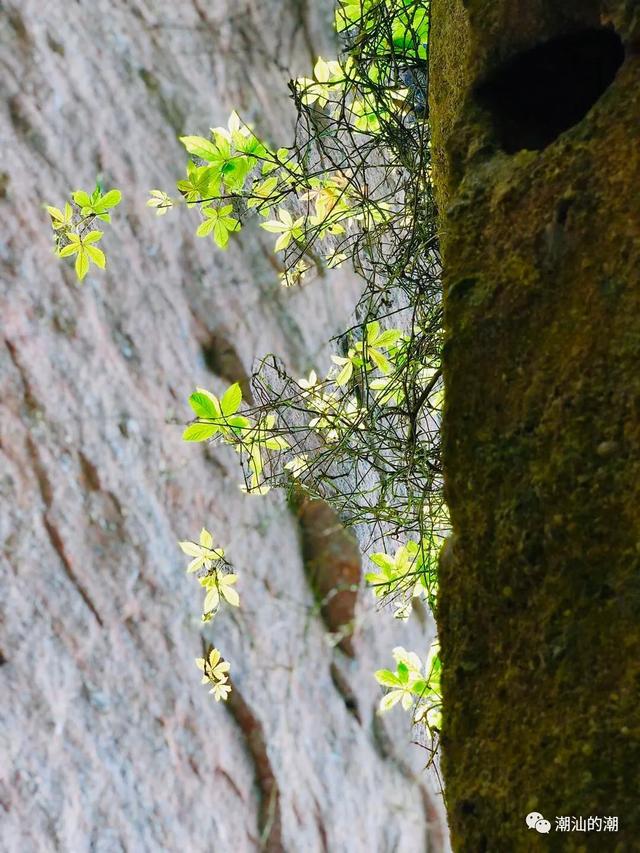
(540, 93)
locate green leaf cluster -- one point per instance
(71, 226)
(215, 577)
(251, 438)
(233, 172)
(97, 204)
(411, 570)
(407, 33)
(215, 672)
(413, 684)
(219, 581)
(216, 417)
(318, 210)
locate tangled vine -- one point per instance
(355, 187)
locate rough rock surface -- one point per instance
(536, 108)
(107, 740)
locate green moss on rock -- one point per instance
(539, 612)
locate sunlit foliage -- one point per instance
(354, 187)
(72, 227)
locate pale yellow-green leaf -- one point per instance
(92, 237)
(196, 564)
(55, 212)
(211, 396)
(220, 234)
(387, 678)
(410, 659)
(276, 443)
(97, 256)
(373, 330)
(220, 691)
(274, 227)
(321, 71)
(199, 432)
(82, 264)
(380, 361)
(111, 199)
(387, 339)
(205, 228)
(345, 374)
(81, 198)
(205, 405)
(206, 539)
(387, 702)
(200, 147)
(283, 241)
(231, 399)
(211, 600)
(191, 549)
(228, 592)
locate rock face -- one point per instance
(536, 109)
(108, 741)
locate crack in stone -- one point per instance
(55, 537)
(269, 817)
(45, 488)
(56, 541)
(436, 831)
(342, 685)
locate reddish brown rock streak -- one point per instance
(107, 740)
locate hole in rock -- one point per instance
(538, 94)
(222, 358)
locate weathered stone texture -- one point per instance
(107, 740)
(540, 590)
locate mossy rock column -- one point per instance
(535, 106)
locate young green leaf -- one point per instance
(219, 223)
(199, 432)
(81, 198)
(161, 201)
(231, 400)
(200, 147)
(109, 200)
(387, 678)
(204, 405)
(84, 251)
(60, 220)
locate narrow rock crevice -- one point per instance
(58, 545)
(45, 487)
(221, 357)
(229, 780)
(89, 473)
(29, 395)
(301, 10)
(342, 685)
(55, 537)
(269, 816)
(322, 829)
(436, 826)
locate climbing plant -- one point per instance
(353, 187)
